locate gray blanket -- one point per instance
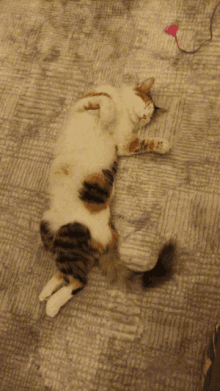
(51, 52)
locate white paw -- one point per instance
(52, 307)
(161, 146)
(166, 146)
(45, 294)
(58, 300)
(52, 285)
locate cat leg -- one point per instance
(103, 105)
(53, 284)
(61, 297)
(150, 144)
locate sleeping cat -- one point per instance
(77, 227)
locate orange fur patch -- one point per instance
(95, 208)
(97, 94)
(98, 246)
(66, 172)
(92, 107)
(59, 275)
(151, 146)
(207, 365)
(76, 284)
(140, 118)
(133, 145)
(142, 94)
(119, 266)
(146, 87)
(96, 178)
(107, 262)
(143, 90)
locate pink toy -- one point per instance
(172, 31)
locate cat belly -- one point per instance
(96, 223)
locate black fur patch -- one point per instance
(115, 167)
(73, 250)
(163, 270)
(46, 235)
(94, 193)
(109, 176)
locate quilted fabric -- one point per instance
(51, 52)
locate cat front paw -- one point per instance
(52, 307)
(158, 145)
(164, 147)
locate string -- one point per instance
(174, 28)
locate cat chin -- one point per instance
(143, 123)
(144, 116)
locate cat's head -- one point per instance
(139, 103)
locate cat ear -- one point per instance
(160, 110)
(146, 85)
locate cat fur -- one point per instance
(77, 228)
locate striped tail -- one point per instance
(117, 272)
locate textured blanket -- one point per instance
(51, 52)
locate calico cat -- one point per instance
(77, 227)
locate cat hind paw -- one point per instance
(52, 307)
(45, 294)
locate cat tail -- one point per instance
(100, 105)
(117, 272)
